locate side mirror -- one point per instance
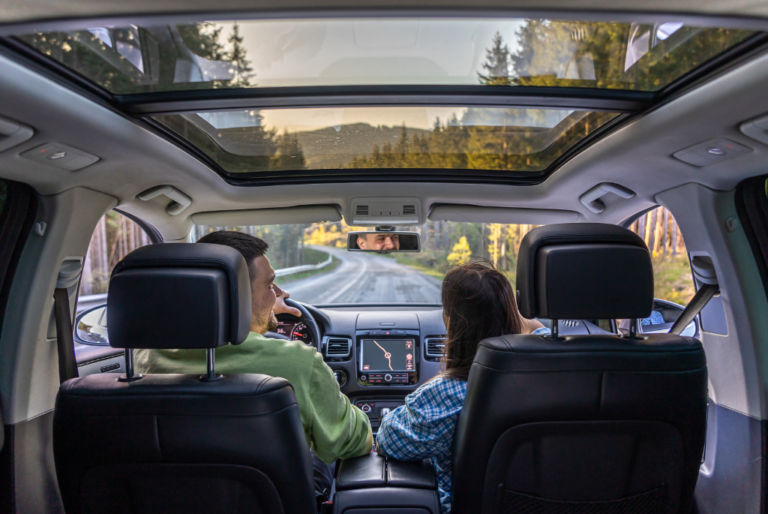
(91, 326)
(663, 317)
(383, 242)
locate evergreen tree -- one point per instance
(289, 155)
(496, 63)
(241, 66)
(203, 40)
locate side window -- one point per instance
(673, 279)
(115, 237)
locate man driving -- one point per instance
(334, 428)
(380, 241)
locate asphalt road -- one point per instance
(365, 278)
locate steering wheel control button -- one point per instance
(387, 378)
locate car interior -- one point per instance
(609, 158)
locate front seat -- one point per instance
(582, 424)
(181, 443)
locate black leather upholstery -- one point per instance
(583, 270)
(173, 443)
(590, 423)
(372, 470)
(179, 296)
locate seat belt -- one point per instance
(704, 271)
(64, 338)
(69, 276)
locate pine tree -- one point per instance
(241, 66)
(496, 63)
(289, 155)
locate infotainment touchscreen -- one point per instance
(386, 355)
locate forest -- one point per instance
(444, 244)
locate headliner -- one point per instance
(19, 11)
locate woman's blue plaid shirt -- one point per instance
(423, 428)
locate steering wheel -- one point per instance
(309, 321)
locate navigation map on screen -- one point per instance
(387, 355)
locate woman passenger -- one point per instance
(478, 302)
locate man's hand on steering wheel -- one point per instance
(280, 306)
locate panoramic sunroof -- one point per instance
(443, 138)
(130, 59)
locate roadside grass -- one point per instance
(312, 256)
(421, 265)
(672, 279)
(298, 276)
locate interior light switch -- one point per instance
(61, 156)
(711, 152)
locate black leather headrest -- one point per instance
(584, 270)
(179, 295)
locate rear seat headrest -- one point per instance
(584, 270)
(179, 295)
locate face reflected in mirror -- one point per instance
(378, 242)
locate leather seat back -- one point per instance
(173, 443)
(587, 424)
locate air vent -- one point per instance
(435, 346)
(361, 210)
(409, 210)
(337, 347)
(572, 323)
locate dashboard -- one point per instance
(381, 353)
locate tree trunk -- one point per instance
(674, 236)
(652, 231)
(641, 227)
(504, 248)
(666, 229)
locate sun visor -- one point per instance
(279, 216)
(477, 214)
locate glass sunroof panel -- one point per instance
(130, 59)
(449, 138)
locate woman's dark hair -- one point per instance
(479, 302)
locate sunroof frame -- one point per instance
(139, 107)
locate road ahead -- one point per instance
(365, 278)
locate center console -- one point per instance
(375, 485)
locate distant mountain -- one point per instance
(330, 148)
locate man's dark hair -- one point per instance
(249, 247)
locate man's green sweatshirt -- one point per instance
(334, 428)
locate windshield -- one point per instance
(128, 59)
(312, 263)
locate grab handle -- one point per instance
(592, 198)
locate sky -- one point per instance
(354, 51)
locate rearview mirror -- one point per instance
(383, 242)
